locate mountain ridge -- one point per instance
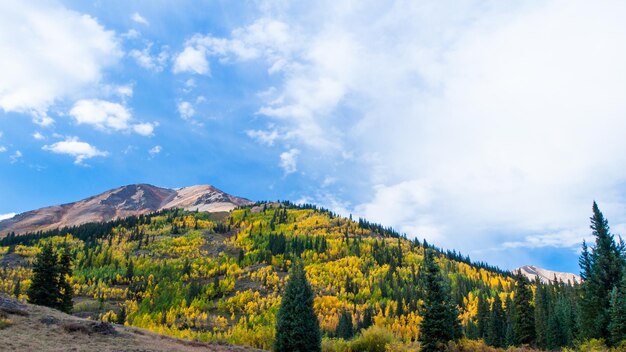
(546, 275)
(120, 202)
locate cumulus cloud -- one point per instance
(192, 60)
(3, 149)
(139, 19)
(186, 110)
(52, 53)
(38, 136)
(72, 146)
(108, 116)
(289, 161)
(479, 119)
(145, 59)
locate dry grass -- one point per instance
(44, 329)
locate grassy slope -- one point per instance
(37, 328)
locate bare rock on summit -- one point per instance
(122, 202)
(547, 276)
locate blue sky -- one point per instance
(483, 126)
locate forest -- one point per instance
(219, 277)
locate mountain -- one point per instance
(546, 276)
(122, 202)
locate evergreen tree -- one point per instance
(617, 326)
(440, 322)
(44, 288)
(344, 327)
(368, 318)
(497, 324)
(66, 291)
(297, 327)
(524, 323)
(130, 270)
(541, 314)
(121, 317)
(17, 289)
(509, 336)
(482, 316)
(603, 268)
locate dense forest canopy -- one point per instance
(220, 277)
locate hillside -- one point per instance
(218, 276)
(119, 203)
(22, 327)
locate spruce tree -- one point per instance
(497, 324)
(297, 327)
(44, 288)
(482, 315)
(541, 314)
(440, 322)
(524, 323)
(603, 272)
(509, 336)
(66, 291)
(617, 325)
(344, 327)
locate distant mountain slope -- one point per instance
(531, 271)
(122, 202)
(28, 324)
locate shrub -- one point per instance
(372, 339)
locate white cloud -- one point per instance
(72, 146)
(186, 110)
(108, 116)
(263, 137)
(139, 19)
(289, 161)
(155, 150)
(145, 59)
(145, 129)
(3, 149)
(15, 157)
(192, 60)
(50, 54)
(466, 120)
(6, 216)
(38, 136)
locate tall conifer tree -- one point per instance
(440, 322)
(297, 327)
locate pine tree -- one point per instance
(497, 324)
(440, 322)
(65, 288)
(297, 327)
(44, 288)
(482, 316)
(604, 272)
(130, 270)
(17, 289)
(344, 327)
(541, 314)
(617, 325)
(524, 323)
(368, 319)
(509, 336)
